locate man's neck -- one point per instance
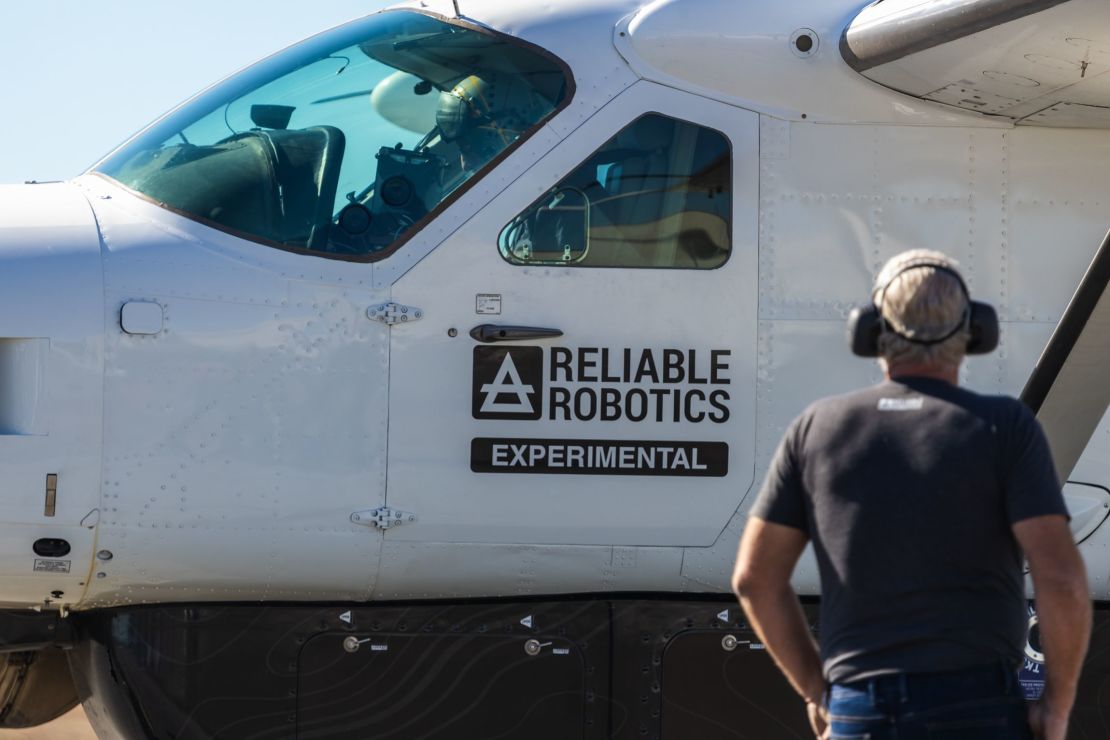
(947, 373)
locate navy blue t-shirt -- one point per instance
(908, 491)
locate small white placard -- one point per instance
(52, 566)
(913, 403)
(487, 303)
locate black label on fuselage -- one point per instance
(508, 383)
(599, 457)
(602, 384)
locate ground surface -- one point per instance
(70, 726)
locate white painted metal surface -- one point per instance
(51, 342)
(741, 53)
(239, 439)
(23, 363)
(1050, 68)
(141, 317)
(222, 456)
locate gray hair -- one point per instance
(922, 303)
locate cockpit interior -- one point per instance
(343, 144)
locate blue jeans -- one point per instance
(977, 704)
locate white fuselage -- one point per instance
(220, 458)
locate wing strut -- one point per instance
(887, 31)
(1069, 389)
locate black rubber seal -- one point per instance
(1060, 345)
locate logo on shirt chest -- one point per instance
(913, 403)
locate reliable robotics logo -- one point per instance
(590, 384)
(602, 384)
(508, 383)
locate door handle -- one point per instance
(488, 333)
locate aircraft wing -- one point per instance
(1070, 387)
(1035, 62)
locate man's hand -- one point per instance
(818, 719)
(1047, 724)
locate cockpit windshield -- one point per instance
(343, 144)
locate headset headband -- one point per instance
(964, 321)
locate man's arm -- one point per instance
(1063, 615)
(761, 580)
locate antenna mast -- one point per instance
(458, 13)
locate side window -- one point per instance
(658, 194)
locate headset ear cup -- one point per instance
(864, 327)
(984, 329)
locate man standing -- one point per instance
(920, 499)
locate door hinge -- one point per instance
(394, 313)
(382, 517)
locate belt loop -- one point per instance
(903, 688)
(872, 693)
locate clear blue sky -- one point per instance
(77, 78)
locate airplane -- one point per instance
(416, 381)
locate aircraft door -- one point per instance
(244, 420)
(584, 369)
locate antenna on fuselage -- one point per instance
(458, 13)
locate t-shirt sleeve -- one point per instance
(1030, 482)
(782, 498)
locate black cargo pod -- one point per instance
(717, 683)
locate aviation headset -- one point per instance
(867, 323)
